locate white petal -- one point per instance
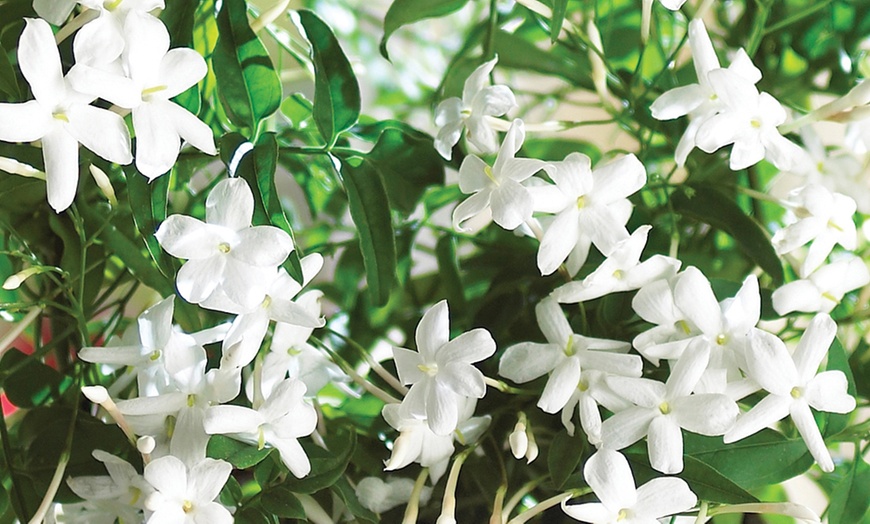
(827, 392)
(617, 179)
(665, 445)
(463, 379)
(193, 130)
(207, 477)
(654, 303)
(608, 474)
(529, 360)
(61, 153)
(703, 53)
(39, 61)
(472, 175)
(552, 321)
(558, 241)
(469, 208)
(678, 102)
(806, 425)
(147, 43)
(473, 346)
(231, 419)
(167, 475)
(694, 296)
(813, 346)
(626, 427)
(111, 86)
(770, 409)
(55, 11)
(511, 205)
(639, 391)
(157, 141)
(100, 41)
(101, 131)
(244, 338)
(769, 363)
(513, 140)
(186, 237)
(262, 247)
(24, 122)
(433, 331)
(800, 295)
(688, 369)
(494, 101)
(293, 456)
(562, 383)
(196, 278)
(661, 497)
(442, 409)
(477, 80)
(706, 414)
(179, 70)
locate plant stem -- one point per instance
(539, 508)
(59, 471)
(414, 503)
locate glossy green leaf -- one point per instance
(231, 494)
(838, 360)
(370, 211)
(248, 86)
(336, 91)
(258, 168)
(564, 456)
(404, 12)
(559, 9)
(8, 78)
(707, 483)
(297, 109)
(281, 502)
(407, 164)
(849, 500)
(764, 458)
(148, 203)
(179, 17)
(714, 208)
(239, 454)
(326, 466)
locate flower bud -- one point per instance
(15, 281)
(104, 184)
(10, 165)
(519, 441)
(145, 444)
(96, 394)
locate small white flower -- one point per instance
(60, 116)
(595, 209)
(622, 270)
(282, 418)
(608, 474)
(795, 386)
(186, 496)
(822, 290)
(122, 494)
(823, 218)
(498, 188)
(441, 370)
(381, 496)
(101, 41)
(478, 102)
(225, 253)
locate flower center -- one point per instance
(135, 493)
(832, 225)
(682, 324)
(665, 408)
(623, 514)
(191, 400)
(154, 356)
(721, 339)
(714, 97)
(756, 123)
(581, 202)
(266, 303)
(169, 425)
(465, 113)
(187, 506)
(429, 369)
(796, 392)
(261, 438)
(148, 92)
(569, 347)
(583, 385)
(293, 352)
(802, 212)
(224, 248)
(488, 172)
(111, 5)
(829, 296)
(60, 115)
(618, 274)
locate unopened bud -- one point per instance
(10, 165)
(532, 452)
(104, 184)
(519, 441)
(96, 394)
(15, 281)
(145, 444)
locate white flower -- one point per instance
(250, 325)
(478, 102)
(608, 474)
(662, 410)
(498, 187)
(699, 101)
(592, 390)
(279, 421)
(156, 74)
(824, 289)
(748, 120)
(186, 496)
(795, 386)
(563, 357)
(60, 117)
(225, 253)
(622, 270)
(823, 218)
(102, 40)
(381, 496)
(441, 370)
(595, 209)
(121, 494)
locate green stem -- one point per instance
(50, 493)
(492, 29)
(758, 27)
(798, 16)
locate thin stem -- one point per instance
(75, 24)
(524, 490)
(374, 364)
(702, 513)
(414, 503)
(368, 386)
(540, 507)
(59, 471)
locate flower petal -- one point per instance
(39, 61)
(101, 131)
(442, 409)
(769, 363)
(665, 445)
(463, 379)
(626, 427)
(183, 236)
(196, 278)
(608, 474)
(469, 347)
(770, 409)
(180, 69)
(469, 208)
(828, 392)
(61, 153)
(708, 414)
(193, 130)
(24, 122)
(813, 346)
(433, 331)
(806, 425)
(157, 141)
(694, 296)
(293, 456)
(561, 385)
(661, 497)
(511, 205)
(221, 420)
(207, 477)
(617, 179)
(559, 240)
(529, 360)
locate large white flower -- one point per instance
(155, 75)
(225, 253)
(823, 218)
(279, 421)
(187, 495)
(479, 101)
(102, 40)
(595, 209)
(661, 411)
(498, 188)
(60, 117)
(824, 289)
(441, 370)
(563, 357)
(795, 386)
(608, 474)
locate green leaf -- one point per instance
(258, 169)
(281, 502)
(714, 208)
(33, 383)
(448, 269)
(564, 456)
(407, 164)
(347, 494)
(559, 9)
(758, 460)
(706, 482)
(148, 203)
(239, 454)
(516, 52)
(404, 12)
(849, 500)
(370, 211)
(838, 360)
(231, 494)
(336, 91)
(8, 78)
(297, 109)
(248, 86)
(326, 466)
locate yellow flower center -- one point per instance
(682, 324)
(187, 506)
(583, 385)
(147, 92)
(191, 400)
(60, 115)
(829, 296)
(154, 356)
(111, 5)
(622, 515)
(224, 248)
(429, 369)
(665, 408)
(755, 123)
(581, 202)
(796, 392)
(293, 352)
(267, 302)
(569, 347)
(618, 274)
(488, 172)
(261, 438)
(721, 339)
